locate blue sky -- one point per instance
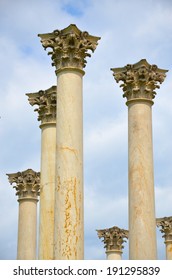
(129, 31)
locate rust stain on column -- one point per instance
(71, 223)
(70, 150)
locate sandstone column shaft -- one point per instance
(114, 255)
(27, 224)
(69, 192)
(27, 185)
(47, 191)
(139, 82)
(70, 48)
(168, 244)
(46, 101)
(142, 240)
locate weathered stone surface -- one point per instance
(139, 80)
(165, 225)
(142, 233)
(47, 190)
(70, 46)
(69, 223)
(46, 101)
(113, 238)
(27, 183)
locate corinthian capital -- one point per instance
(26, 183)
(69, 46)
(165, 225)
(113, 238)
(46, 101)
(139, 80)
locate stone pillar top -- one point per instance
(46, 101)
(26, 183)
(166, 227)
(113, 238)
(139, 80)
(69, 46)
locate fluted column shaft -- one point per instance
(139, 82)
(27, 185)
(46, 101)
(69, 49)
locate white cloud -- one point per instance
(106, 138)
(155, 21)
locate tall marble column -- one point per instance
(139, 83)
(113, 239)
(166, 228)
(70, 48)
(27, 185)
(46, 101)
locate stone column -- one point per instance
(113, 239)
(139, 83)
(27, 185)
(46, 101)
(166, 228)
(70, 48)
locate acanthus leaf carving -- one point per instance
(139, 80)
(165, 225)
(26, 183)
(46, 101)
(113, 238)
(70, 47)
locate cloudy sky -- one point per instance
(129, 31)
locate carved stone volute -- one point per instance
(46, 101)
(139, 80)
(69, 46)
(26, 183)
(113, 238)
(165, 225)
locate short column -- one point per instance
(139, 82)
(113, 239)
(165, 225)
(70, 47)
(27, 185)
(46, 101)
